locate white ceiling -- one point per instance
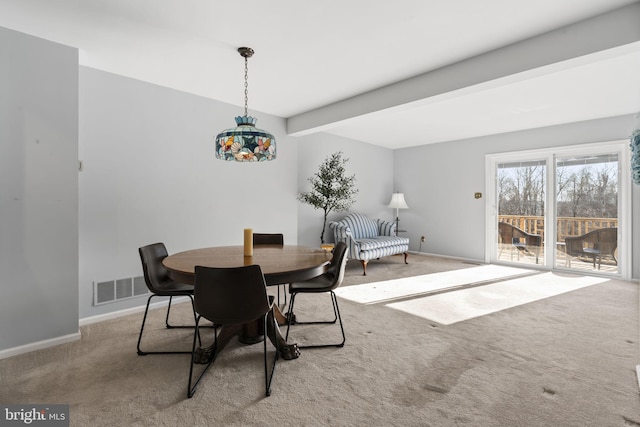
(313, 54)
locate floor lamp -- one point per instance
(397, 202)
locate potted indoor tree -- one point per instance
(331, 188)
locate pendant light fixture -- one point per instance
(245, 143)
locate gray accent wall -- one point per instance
(38, 190)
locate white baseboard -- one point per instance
(475, 261)
(39, 345)
(638, 375)
(52, 342)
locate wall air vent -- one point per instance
(118, 289)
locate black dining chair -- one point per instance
(326, 283)
(268, 239)
(157, 279)
(272, 239)
(230, 297)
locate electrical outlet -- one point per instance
(422, 239)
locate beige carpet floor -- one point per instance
(564, 360)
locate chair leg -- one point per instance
(284, 293)
(295, 321)
(166, 320)
(191, 387)
(336, 312)
(290, 315)
(268, 378)
(144, 320)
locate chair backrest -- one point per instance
(229, 296)
(154, 272)
(336, 268)
(268, 239)
(509, 233)
(603, 239)
(361, 226)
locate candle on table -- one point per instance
(248, 242)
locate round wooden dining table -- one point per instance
(279, 264)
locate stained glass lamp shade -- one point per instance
(245, 143)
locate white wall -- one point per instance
(372, 166)
(38, 190)
(439, 182)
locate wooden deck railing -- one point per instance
(567, 226)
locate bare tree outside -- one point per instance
(521, 189)
(588, 190)
(585, 188)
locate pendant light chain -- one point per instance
(246, 85)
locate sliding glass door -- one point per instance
(563, 208)
(587, 209)
(521, 188)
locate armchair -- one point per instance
(594, 244)
(519, 240)
(369, 239)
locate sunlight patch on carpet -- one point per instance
(456, 306)
(389, 290)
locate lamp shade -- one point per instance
(245, 143)
(397, 201)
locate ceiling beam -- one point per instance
(590, 39)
